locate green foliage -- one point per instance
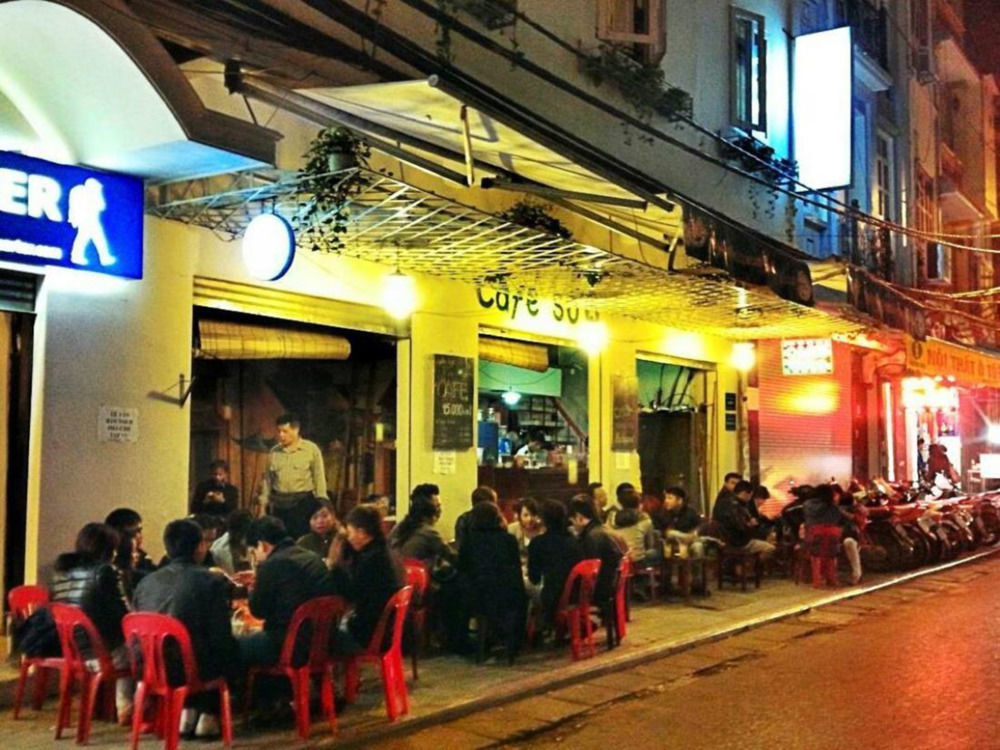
(643, 85)
(331, 187)
(535, 216)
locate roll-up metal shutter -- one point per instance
(304, 308)
(805, 420)
(18, 291)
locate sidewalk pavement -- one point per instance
(451, 687)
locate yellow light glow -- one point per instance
(822, 397)
(592, 336)
(399, 295)
(743, 355)
(928, 393)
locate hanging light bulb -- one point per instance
(743, 355)
(399, 295)
(511, 397)
(592, 336)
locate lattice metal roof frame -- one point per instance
(396, 224)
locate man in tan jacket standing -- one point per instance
(294, 477)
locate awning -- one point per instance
(516, 353)
(422, 111)
(94, 86)
(223, 340)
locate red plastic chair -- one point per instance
(573, 612)
(822, 545)
(70, 621)
(390, 661)
(152, 632)
(418, 577)
(321, 614)
(23, 601)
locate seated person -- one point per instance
(380, 503)
(551, 557)
(527, 526)
(366, 574)
(821, 508)
(645, 545)
(185, 589)
(416, 538)
(131, 559)
(479, 495)
(229, 552)
(491, 566)
(86, 578)
(738, 527)
(595, 542)
(215, 496)
(323, 527)
(597, 493)
(681, 524)
(287, 576)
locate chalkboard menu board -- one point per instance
(453, 402)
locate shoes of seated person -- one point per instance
(208, 727)
(188, 722)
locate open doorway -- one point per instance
(674, 428)
(249, 370)
(16, 346)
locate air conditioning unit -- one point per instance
(923, 64)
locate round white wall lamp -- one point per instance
(268, 247)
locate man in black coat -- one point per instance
(596, 542)
(287, 576)
(200, 599)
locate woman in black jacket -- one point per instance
(367, 575)
(490, 562)
(551, 556)
(86, 578)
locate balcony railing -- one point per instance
(870, 24)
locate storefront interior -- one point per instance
(248, 370)
(532, 418)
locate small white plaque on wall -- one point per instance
(116, 424)
(445, 462)
(623, 460)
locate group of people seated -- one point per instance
(108, 575)
(492, 573)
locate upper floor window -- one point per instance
(636, 24)
(882, 184)
(748, 71)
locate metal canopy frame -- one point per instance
(396, 224)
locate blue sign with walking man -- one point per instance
(57, 215)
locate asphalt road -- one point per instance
(915, 666)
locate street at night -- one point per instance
(913, 666)
(500, 373)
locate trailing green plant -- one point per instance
(643, 85)
(333, 175)
(756, 157)
(535, 216)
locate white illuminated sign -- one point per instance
(806, 356)
(268, 247)
(821, 107)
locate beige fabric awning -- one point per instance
(221, 340)
(517, 353)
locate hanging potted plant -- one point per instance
(335, 172)
(535, 216)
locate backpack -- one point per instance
(37, 636)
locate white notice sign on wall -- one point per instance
(118, 425)
(445, 462)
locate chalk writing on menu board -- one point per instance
(453, 402)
